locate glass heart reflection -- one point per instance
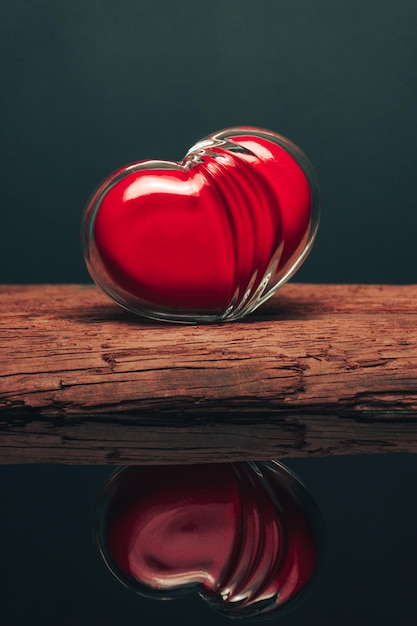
(206, 239)
(245, 536)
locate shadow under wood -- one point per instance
(107, 313)
(277, 309)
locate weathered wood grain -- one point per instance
(319, 370)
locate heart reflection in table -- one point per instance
(246, 536)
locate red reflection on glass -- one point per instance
(244, 535)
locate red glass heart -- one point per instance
(244, 535)
(206, 239)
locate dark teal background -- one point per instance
(87, 86)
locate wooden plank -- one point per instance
(318, 370)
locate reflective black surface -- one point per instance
(52, 572)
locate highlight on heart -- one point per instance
(206, 239)
(245, 536)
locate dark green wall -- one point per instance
(87, 86)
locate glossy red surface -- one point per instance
(198, 234)
(246, 541)
(171, 527)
